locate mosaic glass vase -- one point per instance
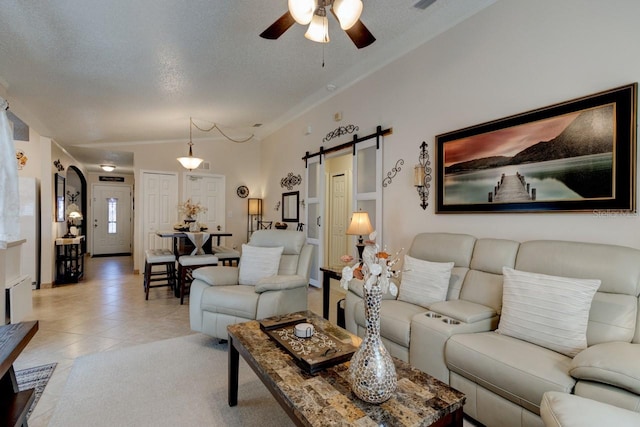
(372, 374)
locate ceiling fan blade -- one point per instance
(278, 28)
(360, 35)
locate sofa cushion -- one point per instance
(395, 319)
(550, 311)
(257, 263)
(424, 282)
(234, 300)
(615, 363)
(514, 369)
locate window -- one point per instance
(112, 215)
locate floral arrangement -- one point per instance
(376, 268)
(190, 209)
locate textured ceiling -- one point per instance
(94, 71)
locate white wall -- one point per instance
(514, 56)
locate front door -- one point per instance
(111, 219)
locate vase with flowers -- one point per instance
(372, 373)
(190, 211)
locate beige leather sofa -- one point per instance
(505, 378)
(217, 300)
(568, 410)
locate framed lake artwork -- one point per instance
(576, 156)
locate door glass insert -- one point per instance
(112, 215)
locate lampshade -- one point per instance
(255, 206)
(190, 162)
(360, 224)
(318, 30)
(108, 168)
(302, 10)
(75, 215)
(348, 12)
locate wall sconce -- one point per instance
(422, 175)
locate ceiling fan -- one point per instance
(314, 13)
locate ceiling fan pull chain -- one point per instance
(322, 55)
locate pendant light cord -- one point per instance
(215, 126)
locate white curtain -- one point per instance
(9, 200)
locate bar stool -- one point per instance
(226, 255)
(159, 257)
(186, 265)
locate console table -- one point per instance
(14, 404)
(69, 260)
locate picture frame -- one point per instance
(574, 156)
(60, 198)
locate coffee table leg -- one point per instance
(234, 363)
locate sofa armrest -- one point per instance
(613, 363)
(280, 283)
(357, 287)
(217, 276)
(559, 409)
(463, 311)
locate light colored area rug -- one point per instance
(36, 378)
(180, 381)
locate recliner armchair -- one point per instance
(218, 300)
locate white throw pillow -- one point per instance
(424, 282)
(257, 263)
(550, 311)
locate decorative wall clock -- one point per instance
(242, 191)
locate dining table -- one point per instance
(177, 236)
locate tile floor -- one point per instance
(106, 311)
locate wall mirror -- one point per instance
(59, 183)
(290, 204)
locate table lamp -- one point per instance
(73, 214)
(360, 224)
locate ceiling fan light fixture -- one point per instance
(348, 12)
(302, 10)
(318, 30)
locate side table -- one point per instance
(328, 273)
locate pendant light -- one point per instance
(190, 162)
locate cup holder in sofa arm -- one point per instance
(450, 321)
(432, 315)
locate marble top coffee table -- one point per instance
(325, 398)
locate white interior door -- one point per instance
(367, 185)
(315, 207)
(209, 190)
(159, 208)
(111, 219)
(338, 217)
